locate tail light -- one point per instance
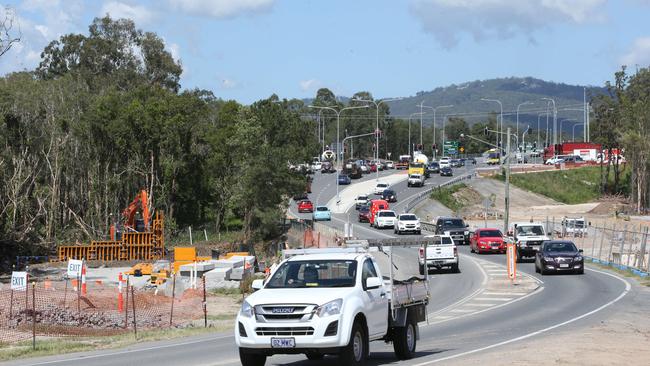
(455, 252)
(421, 252)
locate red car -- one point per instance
(364, 214)
(305, 206)
(487, 240)
(373, 167)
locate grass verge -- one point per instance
(57, 346)
(570, 186)
(446, 196)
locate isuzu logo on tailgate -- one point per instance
(282, 310)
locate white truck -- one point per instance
(415, 180)
(442, 252)
(334, 301)
(528, 236)
(574, 227)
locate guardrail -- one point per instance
(419, 198)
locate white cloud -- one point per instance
(222, 9)
(447, 20)
(229, 83)
(55, 18)
(175, 51)
(138, 13)
(639, 54)
(307, 85)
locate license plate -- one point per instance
(564, 265)
(283, 342)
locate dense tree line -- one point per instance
(623, 123)
(102, 117)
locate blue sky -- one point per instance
(249, 49)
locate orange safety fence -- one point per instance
(61, 310)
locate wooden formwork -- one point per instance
(149, 245)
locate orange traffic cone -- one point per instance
(120, 300)
(83, 279)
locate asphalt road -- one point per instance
(561, 302)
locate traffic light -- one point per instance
(485, 131)
(535, 145)
(434, 146)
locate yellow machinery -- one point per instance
(147, 243)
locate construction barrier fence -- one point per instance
(60, 309)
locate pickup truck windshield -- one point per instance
(528, 230)
(452, 223)
(314, 273)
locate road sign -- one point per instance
(74, 268)
(19, 281)
(511, 258)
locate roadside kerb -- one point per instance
(419, 198)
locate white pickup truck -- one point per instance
(441, 253)
(528, 236)
(334, 301)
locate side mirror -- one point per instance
(373, 282)
(580, 251)
(466, 225)
(257, 284)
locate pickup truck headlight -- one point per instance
(247, 310)
(330, 308)
(578, 258)
(549, 259)
(447, 233)
(466, 232)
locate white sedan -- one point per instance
(381, 187)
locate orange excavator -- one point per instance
(136, 216)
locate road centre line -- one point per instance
(532, 334)
(482, 305)
(493, 298)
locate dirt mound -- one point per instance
(610, 206)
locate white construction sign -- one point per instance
(18, 281)
(74, 268)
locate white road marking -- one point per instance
(493, 298)
(483, 305)
(532, 334)
(462, 310)
(504, 293)
(135, 350)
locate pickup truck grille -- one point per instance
(533, 242)
(283, 313)
(284, 331)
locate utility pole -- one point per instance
(507, 202)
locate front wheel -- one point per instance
(251, 359)
(405, 340)
(356, 351)
(455, 268)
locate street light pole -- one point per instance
(434, 121)
(562, 125)
(507, 201)
(539, 115)
(410, 117)
(377, 127)
(573, 137)
(554, 120)
(338, 139)
(519, 105)
(501, 118)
